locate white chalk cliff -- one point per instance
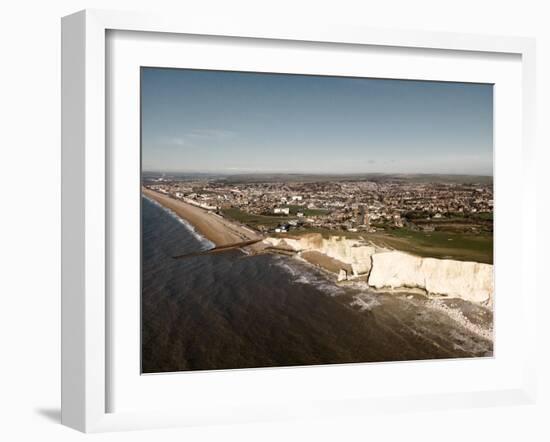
(471, 281)
(348, 251)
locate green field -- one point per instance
(307, 212)
(327, 233)
(462, 247)
(484, 216)
(254, 220)
(267, 220)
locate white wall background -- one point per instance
(30, 215)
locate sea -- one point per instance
(233, 310)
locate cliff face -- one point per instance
(347, 251)
(457, 279)
(392, 269)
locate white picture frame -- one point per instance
(85, 197)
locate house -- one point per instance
(282, 210)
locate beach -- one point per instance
(213, 227)
(349, 259)
(325, 262)
(231, 310)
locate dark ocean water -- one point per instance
(231, 310)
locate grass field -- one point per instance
(254, 220)
(270, 221)
(462, 247)
(307, 212)
(484, 216)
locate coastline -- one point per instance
(293, 298)
(221, 231)
(324, 262)
(214, 228)
(380, 268)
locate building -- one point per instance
(281, 210)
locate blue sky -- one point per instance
(232, 122)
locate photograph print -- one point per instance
(299, 220)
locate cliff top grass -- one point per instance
(476, 247)
(460, 246)
(444, 245)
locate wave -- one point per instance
(365, 301)
(205, 243)
(458, 316)
(303, 274)
(455, 314)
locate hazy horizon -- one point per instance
(278, 172)
(217, 122)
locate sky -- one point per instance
(241, 122)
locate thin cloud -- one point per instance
(210, 133)
(178, 141)
(198, 136)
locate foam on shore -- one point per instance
(205, 243)
(305, 273)
(456, 315)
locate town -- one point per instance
(341, 205)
